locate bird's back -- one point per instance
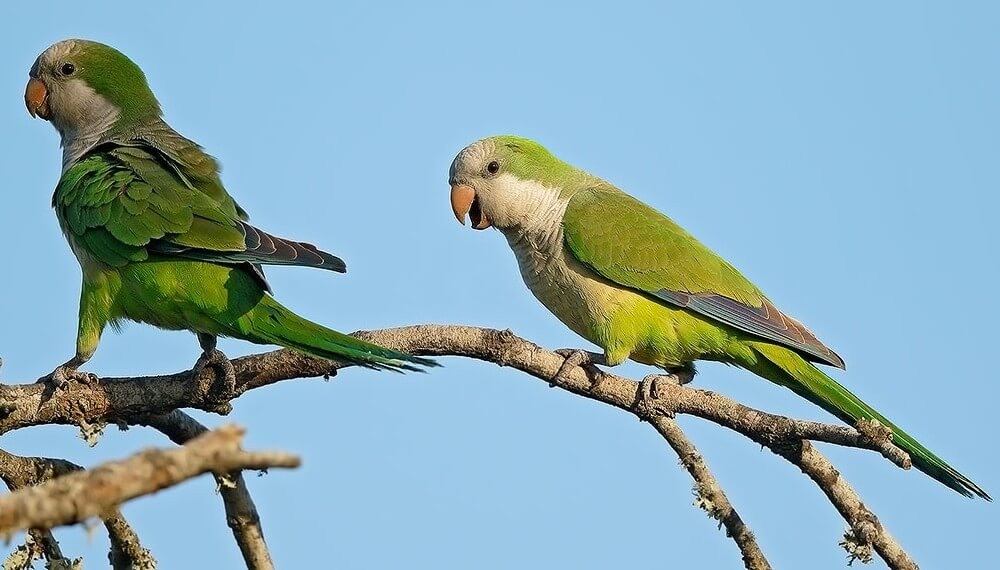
(188, 159)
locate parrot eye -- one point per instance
(493, 167)
(67, 69)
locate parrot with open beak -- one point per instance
(630, 280)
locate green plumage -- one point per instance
(642, 249)
(660, 254)
(632, 281)
(156, 249)
(788, 369)
(158, 237)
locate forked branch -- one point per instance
(136, 400)
(76, 497)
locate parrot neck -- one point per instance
(78, 137)
(78, 143)
(537, 233)
(528, 206)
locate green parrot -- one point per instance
(158, 238)
(630, 280)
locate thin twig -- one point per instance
(710, 495)
(39, 544)
(241, 513)
(506, 349)
(126, 552)
(866, 530)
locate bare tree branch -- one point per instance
(38, 544)
(241, 513)
(710, 495)
(127, 553)
(776, 432)
(75, 497)
(129, 399)
(19, 472)
(114, 400)
(866, 530)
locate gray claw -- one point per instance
(215, 358)
(586, 360)
(649, 391)
(63, 375)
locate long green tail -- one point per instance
(786, 368)
(270, 322)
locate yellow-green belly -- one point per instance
(179, 294)
(624, 322)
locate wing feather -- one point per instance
(124, 202)
(664, 261)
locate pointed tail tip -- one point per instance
(961, 483)
(409, 363)
(972, 491)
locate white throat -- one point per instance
(87, 118)
(526, 207)
(531, 220)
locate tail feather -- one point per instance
(271, 322)
(786, 368)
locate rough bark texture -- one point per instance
(126, 553)
(241, 513)
(155, 401)
(78, 496)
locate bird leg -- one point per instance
(649, 387)
(68, 372)
(681, 375)
(584, 359)
(212, 356)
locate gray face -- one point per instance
(472, 183)
(73, 107)
(470, 164)
(485, 189)
(478, 167)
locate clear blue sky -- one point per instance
(842, 154)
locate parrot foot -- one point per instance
(649, 388)
(62, 376)
(584, 359)
(681, 375)
(649, 393)
(225, 389)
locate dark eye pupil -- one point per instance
(68, 68)
(493, 167)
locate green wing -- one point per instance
(635, 246)
(126, 203)
(188, 160)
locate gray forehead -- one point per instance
(473, 155)
(55, 53)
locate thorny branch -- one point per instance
(138, 399)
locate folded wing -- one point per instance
(635, 246)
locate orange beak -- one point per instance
(36, 98)
(464, 203)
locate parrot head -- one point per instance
(504, 182)
(82, 86)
